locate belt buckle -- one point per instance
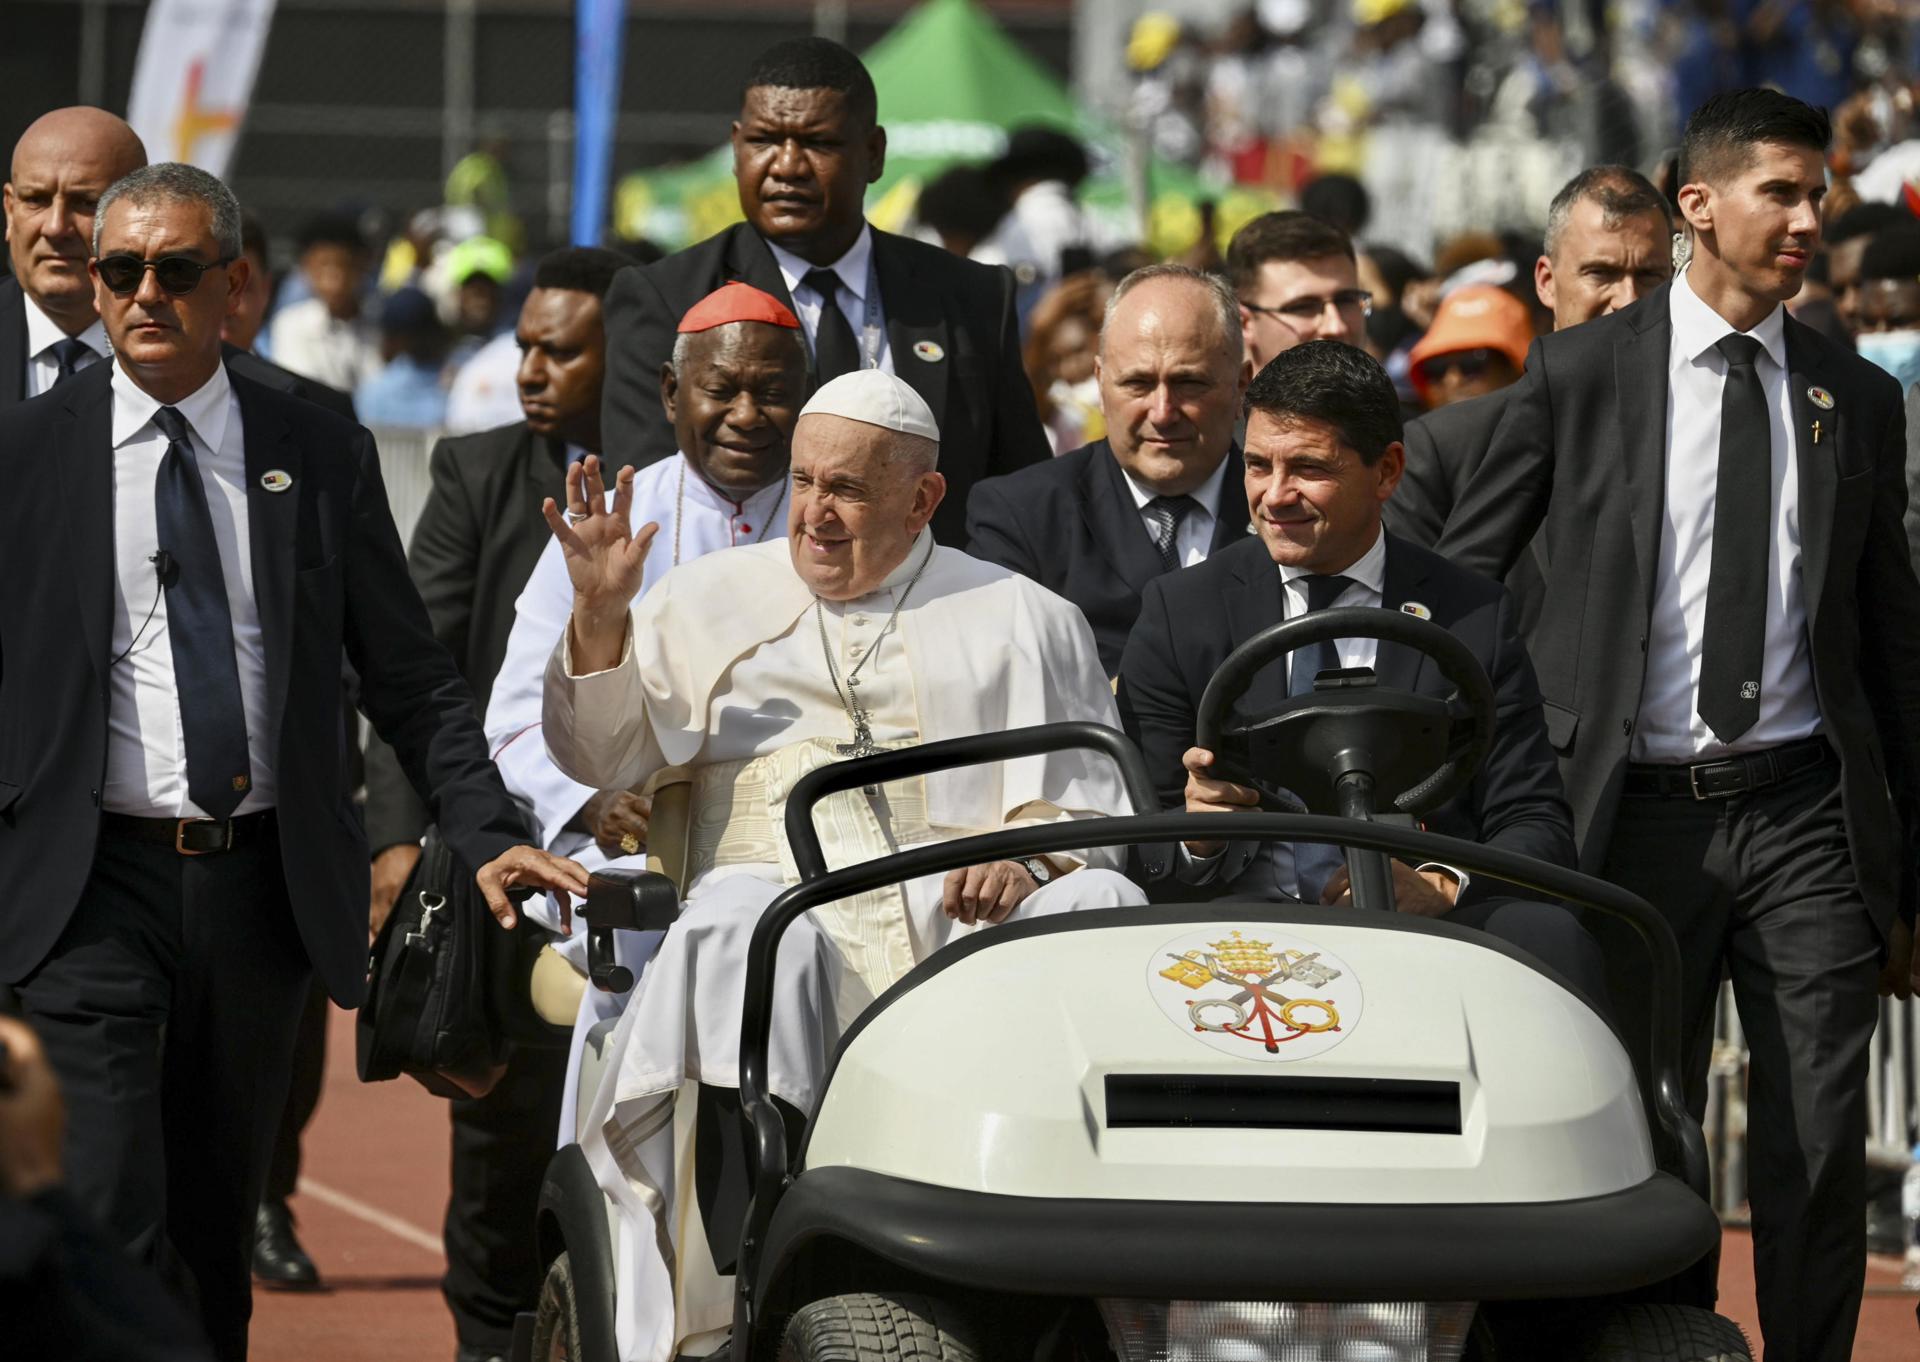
(180, 835)
(1700, 795)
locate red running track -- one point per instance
(376, 1174)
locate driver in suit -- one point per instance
(1322, 455)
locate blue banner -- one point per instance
(599, 37)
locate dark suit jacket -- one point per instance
(473, 548)
(977, 389)
(1444, 448)
(287, 381)
(330, 580)
(1071, 525)
(1597, 394)
(1190, 620)
(13, 342)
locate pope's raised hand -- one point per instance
(605, 558)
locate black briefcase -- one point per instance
(447, 996)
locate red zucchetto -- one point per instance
(737, 302)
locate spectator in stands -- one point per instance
(1476, 345)
(960, 208)
(1340, 200)
(1297, 279)
(1847, 239)
(407, 391)
(1887, 313)
(328, 337)
(1061, 337)
(1044, 234)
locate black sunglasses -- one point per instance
(1468, 363)
(178, 274)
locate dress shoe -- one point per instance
(278, 1259)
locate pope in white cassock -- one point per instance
(744, 670)
(733, 390)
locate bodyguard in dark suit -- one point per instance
(1322, 454)
(1730, 655)
(179, 851)
(1608, 244)
(805, 148)
(1160, 492)
(61, 166)
(475, 544)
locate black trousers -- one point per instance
(1761, 887)
(303, 1095)
(501, 1146)
(168, 1009)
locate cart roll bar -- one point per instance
(977, 749)
(1679, 1145)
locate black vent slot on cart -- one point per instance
(1416, 1106)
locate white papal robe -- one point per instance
(694, 519)
(725, 673)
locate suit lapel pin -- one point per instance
(1820, 398)
(276, 480)
(930, 351)
(1417, 610)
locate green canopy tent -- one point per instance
(951, 85)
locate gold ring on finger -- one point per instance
(630, 844)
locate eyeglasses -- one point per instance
(177, 274)
(1466, 363)
(1306, 311)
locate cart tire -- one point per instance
(894, 1327)
(556, 1317)
(1658, 1333)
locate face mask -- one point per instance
(1898, 352)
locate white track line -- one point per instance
(374, 1216)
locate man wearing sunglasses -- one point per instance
(1297, 281)
(61, 166)
(178, 849)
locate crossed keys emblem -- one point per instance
(1257, 1010)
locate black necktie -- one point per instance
(68, 353)
(212, 717)
(1315, 862)
(834, 350)
(1167, 513)
(1736, 633)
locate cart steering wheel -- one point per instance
(1348, 746)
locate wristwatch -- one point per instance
(1037, 867)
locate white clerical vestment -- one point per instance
(694, 519)
(726, 674)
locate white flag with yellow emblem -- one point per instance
(195, 74)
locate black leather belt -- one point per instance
(191, 836)
(1729, 776)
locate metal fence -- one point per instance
(1893, 1099)
(403, 467)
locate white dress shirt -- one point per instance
(146, 747)
(1193, 539)
(1669, 727)
(43, 333)
(853, 269)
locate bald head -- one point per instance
(61, 166)
(1172, 372)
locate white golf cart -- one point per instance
(1243, 1132)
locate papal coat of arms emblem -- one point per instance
(1268, 996)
